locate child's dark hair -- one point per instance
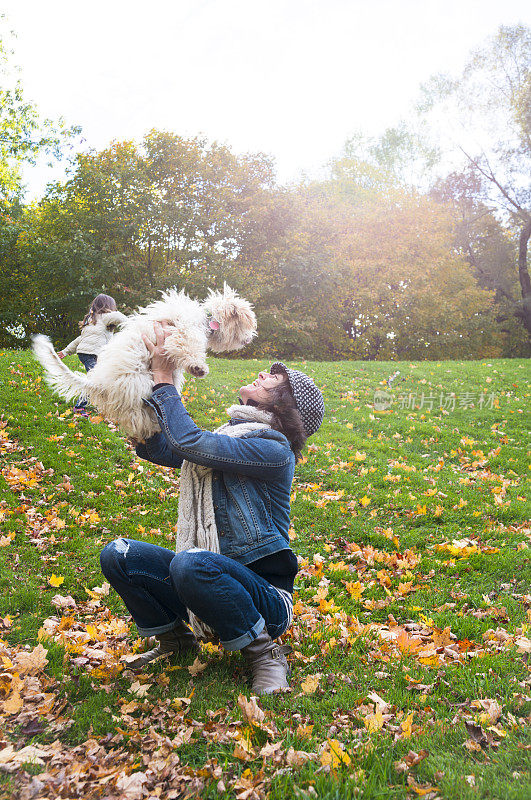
(286, 417)
(100, 305)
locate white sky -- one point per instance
(292, 78)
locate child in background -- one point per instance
(97, 328)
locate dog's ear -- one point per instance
(230, 310)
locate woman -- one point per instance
(244, 592)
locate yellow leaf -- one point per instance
(14, 704)
(334, 754)
(355, 589)
(311, 683)
(406, 726)
(365, 501)
(360, 456)
(55, 580)
(373, 722)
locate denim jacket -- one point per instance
(251, 482)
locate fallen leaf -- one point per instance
(311, 683)
(296, 758)
(197, 667)
(140, 689)
(405, 726)
(373, 722)
(131, 786)
(252, 713)
(11, 759)
(29, 663)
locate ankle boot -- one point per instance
(179, 640)
(268, 663)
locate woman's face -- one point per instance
(258, 390)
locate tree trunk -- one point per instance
(523, 274)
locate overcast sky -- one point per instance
(292, 78)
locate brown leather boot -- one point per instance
(178, 641)
(268, 663)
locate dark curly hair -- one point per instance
(286, 417)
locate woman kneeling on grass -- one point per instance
(232, 575)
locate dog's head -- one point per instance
(231, 320)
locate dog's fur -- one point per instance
(122, 376)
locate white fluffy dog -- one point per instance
(122, 377)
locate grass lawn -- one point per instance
(411, 634)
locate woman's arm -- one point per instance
(156, 450)
(258, 457)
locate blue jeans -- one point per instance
(89, 362)
(158, 585)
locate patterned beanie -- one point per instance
(308, 398)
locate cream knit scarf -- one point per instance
(196, 521)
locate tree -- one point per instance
(487, 115)
(133, 219)
(489, 245)
(24, 134)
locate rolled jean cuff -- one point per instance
(245, 638)
(169, 626)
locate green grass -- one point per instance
(89, 488)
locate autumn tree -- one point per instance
(485, 117)
(489, 245)
(136, 218)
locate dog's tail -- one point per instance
(58, 376)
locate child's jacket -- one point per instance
(93, 338)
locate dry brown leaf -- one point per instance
(128, 708)
(524, 644)
(60, 601)
(197, 667)
(140, 689)
(252, 713)
(477, 734)
(242, 753)
(13, 704)
(131, 786)
(11, 759)
(33, 662)
(296, 758)
(492, 709)
(380, 704)
(270, 749)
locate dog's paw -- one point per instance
(197, 370)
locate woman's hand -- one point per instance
(61, 354)
(162, 365)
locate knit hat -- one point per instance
(308, 398)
